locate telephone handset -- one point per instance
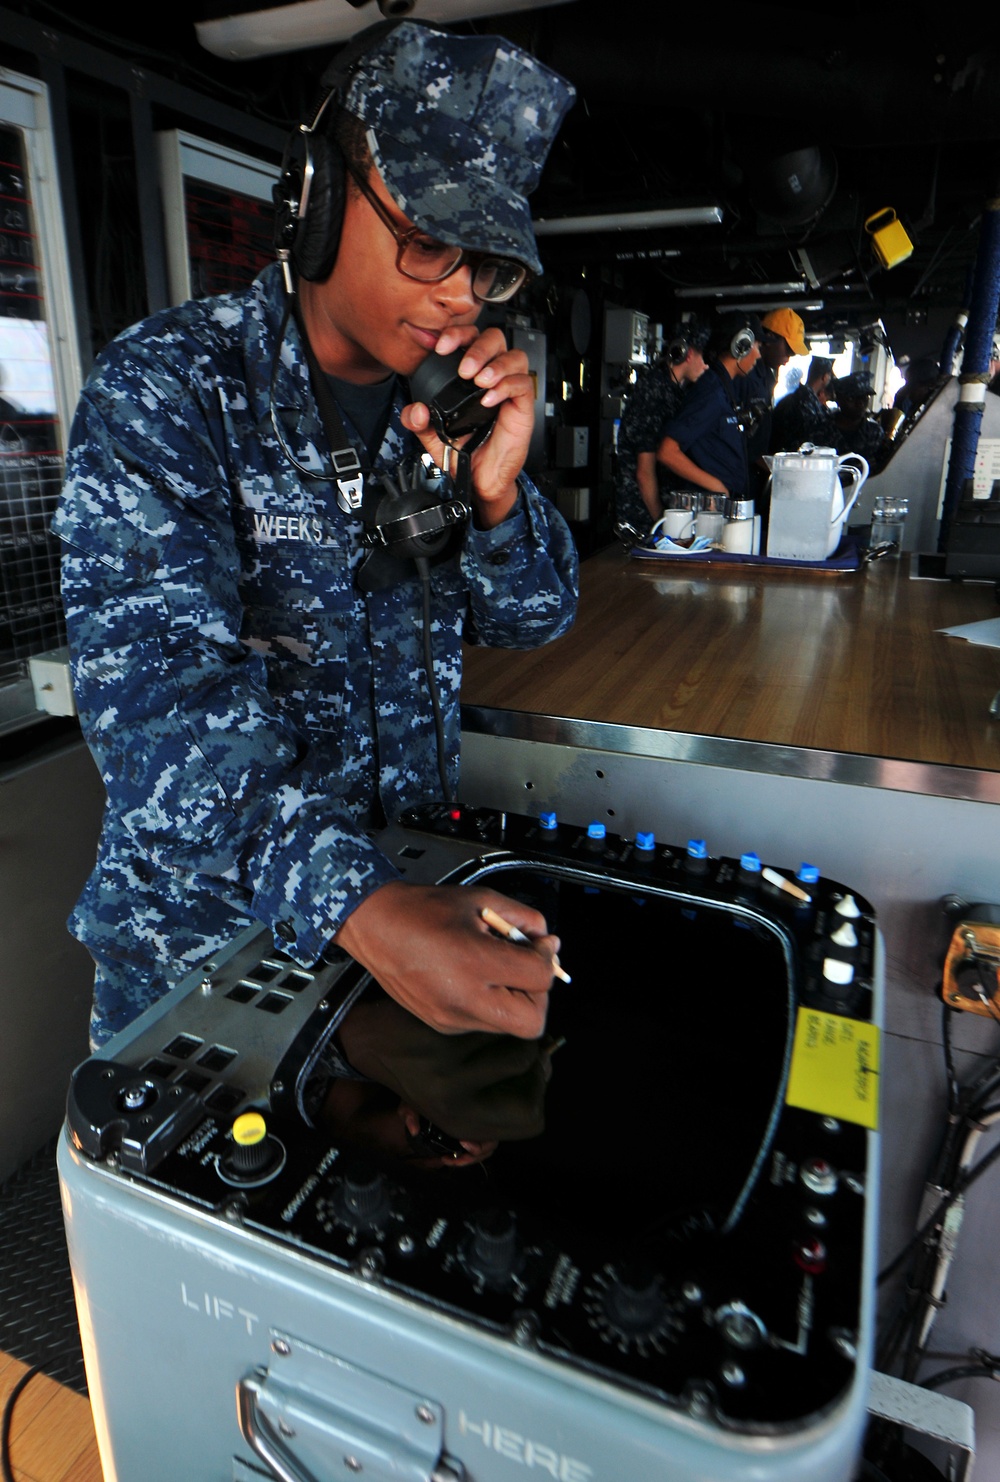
(455, 404)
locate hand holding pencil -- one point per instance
(431, 949)
(514, 934)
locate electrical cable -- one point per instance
(969, 1114)
(8, 1415)
(962, 1184)
(960, 1371)
(903, 1346)
(949, 1059)
(910, 1327)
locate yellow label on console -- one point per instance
(835, 1067)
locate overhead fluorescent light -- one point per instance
(736, 290)
(294, 27)
(810, 306)
(629, 221)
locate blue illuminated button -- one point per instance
(808, 874)
(596, 831)
(645, 842)
(750, 861)
(547, 821)
(697, 849)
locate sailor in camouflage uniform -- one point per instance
(254, 710)
(652, 402)
(854, 429)
(802, 416)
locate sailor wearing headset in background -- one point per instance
(704, 447)
(260, 687)
(654, 399)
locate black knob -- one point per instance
(254, 1154)
(494, 1249)
(634, 1302)
(252, 1159)
(363, 1198)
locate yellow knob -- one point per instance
(249, 1129)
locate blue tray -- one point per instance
(844, 558)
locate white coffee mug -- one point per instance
(710, 523)
(677, 523)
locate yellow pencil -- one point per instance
(515, 934)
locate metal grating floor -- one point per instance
(37, 1311)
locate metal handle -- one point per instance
(260, 1437)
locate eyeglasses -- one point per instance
(427, 260)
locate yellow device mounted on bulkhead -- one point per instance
(889, 239)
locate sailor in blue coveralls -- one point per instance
(255, 691)
(703, 447)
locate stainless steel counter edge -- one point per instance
(932, 779)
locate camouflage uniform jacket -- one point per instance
(868, 439)
(252, 713)
(800, 417)
(653, 400)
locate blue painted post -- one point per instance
(975, 364)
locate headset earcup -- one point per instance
(318, 237)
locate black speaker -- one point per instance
(309, 195)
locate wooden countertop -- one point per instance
(841, 663)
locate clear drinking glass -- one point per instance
(888, 519)
(711, 516)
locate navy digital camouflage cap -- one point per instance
(459, 128)
(858, 385)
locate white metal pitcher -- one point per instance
(809, 505)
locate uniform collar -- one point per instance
(264, 338)
(267, 333)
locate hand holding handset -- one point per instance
(455, 404)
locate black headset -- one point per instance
(742, 342)
(677, 350)
(309, 195)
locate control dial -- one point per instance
(493, 1251)
(364, 1198)
(629, 1308)
(254, 1156)
(360, 1201)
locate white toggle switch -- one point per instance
(845, 936)
(847, 906)
(835, 971)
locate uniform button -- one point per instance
(285, 930)
(499, 558)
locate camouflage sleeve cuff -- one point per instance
(307, 898)
(523, 575)
(516, 540)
